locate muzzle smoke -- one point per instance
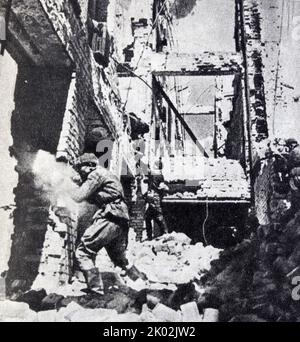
(55, 179)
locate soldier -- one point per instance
(293, 169)
(294, 153)
(153, 197)
(110, 223)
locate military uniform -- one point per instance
(154, 210)
(109, 228)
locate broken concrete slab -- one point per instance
(16, 312)
(190, 312)
(211, 316)
(94, 315)
(165, 314)
(77, 313)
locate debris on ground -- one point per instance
(181, 261)
(257, 280)
(168, 296)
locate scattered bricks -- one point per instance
(165, 314)
(211, 316)
(190, 313)
(92, 315)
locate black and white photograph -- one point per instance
(150, 163)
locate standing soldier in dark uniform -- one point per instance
(110, 223)
(154, 197)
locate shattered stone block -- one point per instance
(16, 312)
(190, 313)
(211, 316)
(165, 314)
(92, 315)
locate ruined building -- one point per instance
(142, 80)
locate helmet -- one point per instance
(87, 158)
(291, 141)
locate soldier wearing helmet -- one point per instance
(109, 228)
(294, 153)
(154, 196)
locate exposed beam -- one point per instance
(205, 201)
(199, 114)
(159, 88)
(206, 64)
(203, 71)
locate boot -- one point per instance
(134, 274)
(149, 230)
(94, 281)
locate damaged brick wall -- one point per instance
(72, 137)
(252, 48)
(72, 33)
(52, 105)
(40, 100)
(93, 99)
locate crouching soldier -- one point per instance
(156, 189)
(110, 223)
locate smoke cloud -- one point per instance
(54, 179)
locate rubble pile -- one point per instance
(173, 266)
(259, 277)
(228, 284)
(75, 312)
(173, 253)
(181, 261)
